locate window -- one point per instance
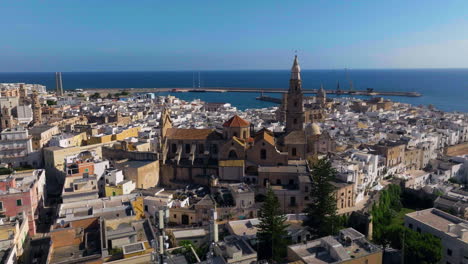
(232, 154)
(1, 206)
(19, 202)
(146, 208)
(449, 252)
(235, 134)
(294, 152)
(175, 216)
(263, 154)
(306, 198)
(295, 121)
(201, 148)
(418, 230)
(244, 134)
(187, 148)
(410, 226)
(278, 182)
(174, 148)
(292, 201)
(215, 149)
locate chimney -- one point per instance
(464, 235)
(451, 228)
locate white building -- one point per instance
(24, 114)
(15, 146)
(452, 231)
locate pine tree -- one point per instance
(272, 234)
(321, 211)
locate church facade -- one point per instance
(237, 153)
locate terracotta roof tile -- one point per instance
(190, 133)
(236, 121)
(263, 134)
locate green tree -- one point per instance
(389, 204)
(95, 95)
(322, 218)
(188, 253)
(51, 102)
(421, 248)
(272, 234)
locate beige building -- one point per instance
(54, 157)
(291, 184)
(452, 231)
(413, 158)
(145, 174)
(42, 134)
(345, 196)
(393, 151)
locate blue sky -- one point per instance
(108, 35)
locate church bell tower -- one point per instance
(295, 108)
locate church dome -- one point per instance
(236, 121)
(313, 129)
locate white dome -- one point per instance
(313, 129)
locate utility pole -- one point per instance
(159, 243)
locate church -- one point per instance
(236, 152)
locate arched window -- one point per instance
(232, 154)
(263, 154)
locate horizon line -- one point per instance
(220, 70)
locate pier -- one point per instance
(369, 92)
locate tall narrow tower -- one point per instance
(6, 120)
(22, 94)
(58, 84)
(295, 107)
(37, 109)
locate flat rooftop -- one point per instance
(283, 169)
(437, 219)
(349, 244)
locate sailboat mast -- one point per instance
(198, 79)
